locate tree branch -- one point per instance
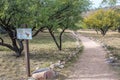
(33, 28)
(10, 18)
(21, 46)
(53, 36)
(2, 41)
(59, 12)
(4, 19)
(7, 45)
(1, 20)
(40, 29)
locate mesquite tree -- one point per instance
(8, 14)
(13, 14)
(103, 20)
(67, 15)
(112, 4)
(39, 15)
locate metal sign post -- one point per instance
(26, 34)
(27, 59)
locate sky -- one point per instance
(96, 3)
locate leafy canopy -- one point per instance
(42, 12)
(103, 19)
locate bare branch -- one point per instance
(40, 29)
(6, 45)
(33, 28)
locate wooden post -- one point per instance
(27, 59)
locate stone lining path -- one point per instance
(92, 64)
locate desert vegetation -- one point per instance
(49, 20)
(43, 52)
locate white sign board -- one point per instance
(24, 33)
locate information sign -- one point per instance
(24, 33)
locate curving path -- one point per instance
(92, 64)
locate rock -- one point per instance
(61, 66)
(108, 52)
(48, 73)
(30, 78)
(103, 45)
(44, 74)
(115, 64)
(105, 48)
(52, 66)
(40, 70)
(111, 59)
(57, 64)
(39, 76)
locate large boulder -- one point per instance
(43, 74)
(48, 73)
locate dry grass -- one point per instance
(43, 52)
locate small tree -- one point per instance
(62, 16)
(13, 14)
(103, 20)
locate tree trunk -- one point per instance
(16, 45)
(60, 38)
(18, 52)
(119, 29)
(96, 31)
(19, 49)
(103, 31)
(51, 33)
(60, 42)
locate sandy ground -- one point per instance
(92, 64)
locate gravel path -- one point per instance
(92, 64)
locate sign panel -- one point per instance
(24, 33)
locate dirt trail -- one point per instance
(92, 64)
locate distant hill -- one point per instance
(87, 13)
